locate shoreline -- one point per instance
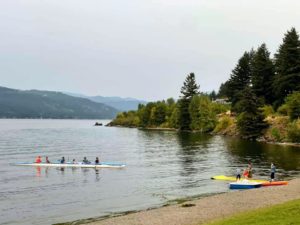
(203, 209)
(211, 133)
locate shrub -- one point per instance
(276, 134)
(267, 110)
(293, 131)
(293, 103)
(223, 123)
(283, 110)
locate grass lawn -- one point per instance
(283, 214)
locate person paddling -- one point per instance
(85, 161)
(38, 159)
(62, 160)
(97, 160)
(47, 160)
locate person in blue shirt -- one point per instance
(62, 160)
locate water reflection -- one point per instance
(38, 171)
(286, 159)
(86, 172)
(193, 147)
(192, 152)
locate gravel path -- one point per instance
(210, 208)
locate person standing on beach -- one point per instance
(249, 169)
(238, 174)
(273, 171)
(246, 173)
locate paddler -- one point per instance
(47, 160)
(85, 161)
(38, 159)
(62, 160)
(97, 160)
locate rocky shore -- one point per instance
(210, 208)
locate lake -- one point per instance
(162, 166)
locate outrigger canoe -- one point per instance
(226, 178)
(69, 164)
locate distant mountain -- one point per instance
(121, 104)
(48, 104)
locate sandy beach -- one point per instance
(209, 208)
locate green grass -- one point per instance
(283, 214)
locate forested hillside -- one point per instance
(263, 95)
(47, 104)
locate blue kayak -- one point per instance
(243, 185)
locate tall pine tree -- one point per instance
(251, 121)
(240, 77)
(263, 74)
(287, 62)
(188, 90)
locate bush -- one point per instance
(293, 103)
(267, 110)
(276, 134)
(223, 123)
(283, 110)
(293, 131)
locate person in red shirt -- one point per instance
(246, 173)
(38, 159)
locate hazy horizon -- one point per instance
(138, 49)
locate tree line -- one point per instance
(259, 80)
(258, 83)
(192, 111)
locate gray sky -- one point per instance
(133, 48)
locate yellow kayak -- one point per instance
(222, 177)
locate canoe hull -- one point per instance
(237, 185)
(274, 183)
(81, 165)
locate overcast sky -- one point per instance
(133, 48)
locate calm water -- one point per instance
(161, 166)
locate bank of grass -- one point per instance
(282, 214)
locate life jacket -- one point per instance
(38, 160)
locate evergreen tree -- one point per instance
(240, 77)
(263, 74)
(224, 90)
(188, 90)
(159, 113)
(287, 62)
(213, 95)
(203, 118)
(251, 121)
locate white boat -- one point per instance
(70, 164)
